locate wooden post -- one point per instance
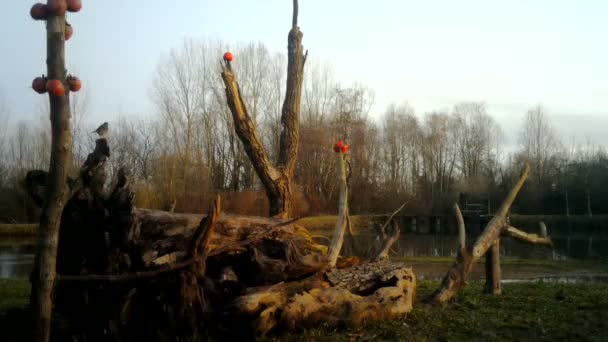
(461, 229)
(44, 275)
(493, 272)
(338, 236)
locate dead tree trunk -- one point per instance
(456, 276)
(277, 180)
(341, 223)
(57, 189)
(493, 272)
(388, 241)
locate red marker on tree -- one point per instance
(338, 146)
(228, 56)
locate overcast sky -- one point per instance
(432, 54)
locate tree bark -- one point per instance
(456, 276)
(493, 272)
(57, 191)
(277, 181)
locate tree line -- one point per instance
(187, 151)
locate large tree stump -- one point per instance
(130, 274)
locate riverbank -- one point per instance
(18, 230)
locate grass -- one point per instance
(534, 311)
(14, 294)
(18, 229)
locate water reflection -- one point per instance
(16, 257)
(577, 279)
(17, 254)
(444, 245)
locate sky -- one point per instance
(432, 54)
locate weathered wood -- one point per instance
(494, 227)
(277, 180)
(338, 236)
(198, 247)
(526, 237)
(462, 234)
(352, 296)
(543, 229)
(57, 191)
(493, 272)
(456, 276)
(387, 242)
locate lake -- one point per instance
(17, 254)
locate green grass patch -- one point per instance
(532, 311)
(19, 229)
(14, 294)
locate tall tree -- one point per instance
(539, 142)
(278, 181)
(474, 130)
(57, 190)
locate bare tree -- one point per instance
(278, 181)
(474, 131)
(438, 152)
(538, 142)
(4, 122)
(401, 148)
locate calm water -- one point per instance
(17, 254)
(415, 245)
(16, 257)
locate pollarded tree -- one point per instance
(57, 192)
(277, 180)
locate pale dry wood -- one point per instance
(493, 271)
(353, 297)
(338, 235)
(520, 235)
(494, 227)
(457, 274)
(543, 229)
(387, 242)
(461, 229)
